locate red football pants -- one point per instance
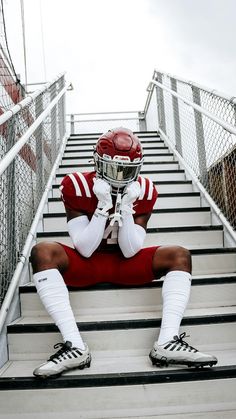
(105, 266)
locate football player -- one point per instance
(107, 212)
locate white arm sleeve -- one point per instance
(87, 235)
(130, 236)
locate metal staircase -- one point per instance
(120, 324)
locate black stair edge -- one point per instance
(151, 230)
(160, 195)
(89, 157)
(156, 182)
(142, 173)
(92, 165)
(29, 289)
(215, 250)
(121, 324)
(156, 211)
(89, 150)
(144, 139)
(119, 379)
(100, 133)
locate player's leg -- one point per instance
(175, 263)
(49, 260)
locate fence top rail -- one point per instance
(225, 125)
(100, 113)
(103, 120)
(11, 154)
(215, 92)
(26, 101)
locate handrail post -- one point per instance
(53, 122)
(201, 150)
(175, 105)
(142, 121)
(39, 146)
(160, 104)
(72, 123)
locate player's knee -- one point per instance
(43, 256)
(181, 258)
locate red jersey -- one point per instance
(77, 194)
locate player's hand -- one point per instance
(132, 193)
(102, 190)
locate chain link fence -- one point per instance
(23, 182)
(207, 147)
(11, 90)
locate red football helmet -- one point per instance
(118, 157)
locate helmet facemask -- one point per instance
(118, 171)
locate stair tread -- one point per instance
(121, 363)
(109, 315)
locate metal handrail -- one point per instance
(200, 109)
(24, 255)
(197, 182)
(101, 113)
(231, 99)
(7, 159)
(103, 120)
(26, 101)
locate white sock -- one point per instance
(54, 295)
(175, 295)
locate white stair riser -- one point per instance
(77, 152)
(153, 176)
(146, 166)
(88, 160)
(166, 188)
(88, 145)
(123, 401)
(188, 239)
(161, 203)
(132, 341)
(94, 139)
(174, 219)
(136, 300)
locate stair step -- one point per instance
(69, 395)
(143, 136)
(93, 141)
(156, 175)
(90, 148)
(161, 218)
(76, 151)
(163, 165)
(122, 337)
(164, 201)
(190, 237)
(93, 300)
(109, 315)
(179, 186)
(120, 364)
(86, 159)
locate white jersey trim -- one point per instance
(143, 187)
(76, 185)
(150, 192)
(85, 184)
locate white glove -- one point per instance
(132, 193)
(102, 190)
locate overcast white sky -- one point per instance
(109, 48)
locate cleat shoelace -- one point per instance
(179, 339)
(65, 348)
